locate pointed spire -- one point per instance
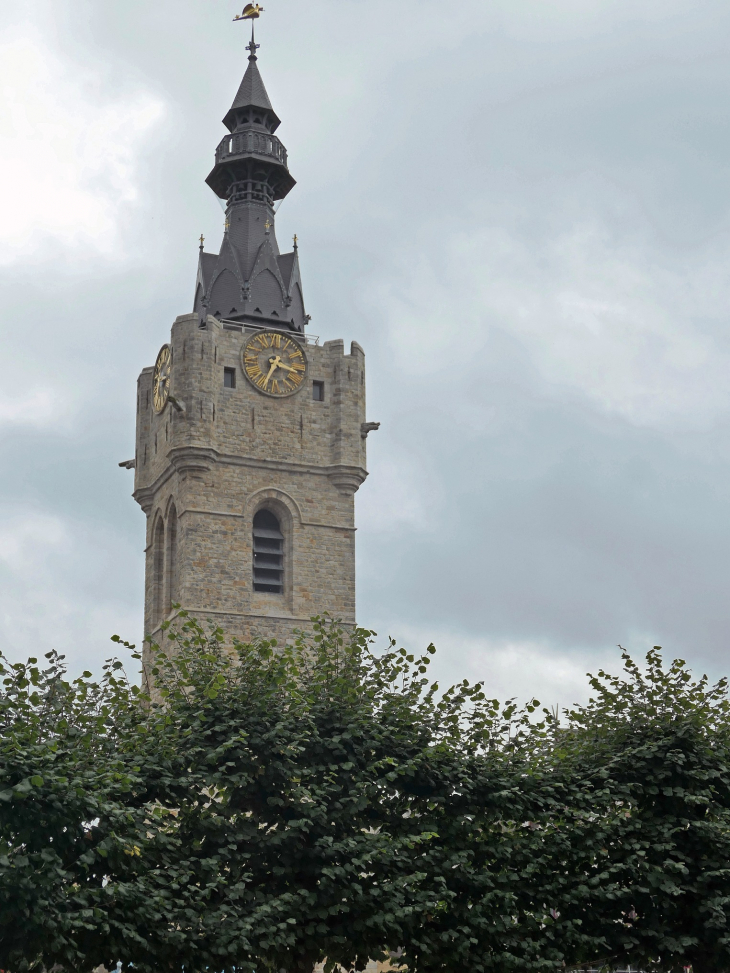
(250, 280)
(252, 144)
(251, 93)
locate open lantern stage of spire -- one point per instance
(249, 280)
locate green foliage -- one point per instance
(66, 804)
(652, 750)
(271, 807)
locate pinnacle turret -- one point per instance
(250, 280)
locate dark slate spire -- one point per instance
(250, 280)
(251, 94)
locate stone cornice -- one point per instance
(197, 460)
(239, 516)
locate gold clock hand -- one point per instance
(287, 367)
(273, 362)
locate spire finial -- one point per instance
(227, 224)
(267, 227)
(202, 241)
(296, 244)
(252, 11)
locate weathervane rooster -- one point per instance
(250, 12)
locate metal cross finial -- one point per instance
(296, 245)
(227, 224)
(202, 241)
(267, 227)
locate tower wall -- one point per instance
(214, 456)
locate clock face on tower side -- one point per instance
(274, 363)
(161, 378)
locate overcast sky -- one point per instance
(520, 208)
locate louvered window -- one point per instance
(268, 553)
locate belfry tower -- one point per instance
(250, 434)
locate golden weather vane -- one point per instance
(252, 12)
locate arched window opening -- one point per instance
(158, 568)
(171, 573)
(268, 553)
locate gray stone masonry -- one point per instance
(214, 456)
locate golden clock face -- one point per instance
(274, 363)
(161, 378)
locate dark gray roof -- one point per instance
(207, 267)
(286, 262)
(252, 91)
(250, 280)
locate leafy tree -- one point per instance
(66, 805)
(273, 807)
(654, 749)
(317, 762)
(617, 849)
(260, 813)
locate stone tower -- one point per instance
(250, 434)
